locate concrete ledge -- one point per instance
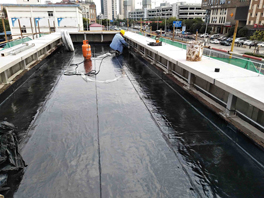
(238, 89)
(12, 65)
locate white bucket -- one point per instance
(194, 51)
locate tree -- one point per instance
(258, 35)
(85, 21)
(6, 25)
(232, 30)
(243, 32)
(202, 29)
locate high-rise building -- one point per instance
(146, 4)
(102, 6)
(133, 5)
(121, 7)
(127, 8)
(110, 9)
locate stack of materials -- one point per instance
(194, 51)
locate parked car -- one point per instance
(238, 39)
(187, 33)
(230, 39)
(250, 43)
(225, 43)
(214, 36)
(222, 38)
(205, 35)
(215, 41)
(261, 44)
(241, 41)
(189, 37)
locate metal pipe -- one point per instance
(49, 26)
(31, 28)
(260, 68)
(21, 49)
(38, 28)
(3, 23)
(20, 30)
(54, 26)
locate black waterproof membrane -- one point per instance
(11, 162)
(127, 132)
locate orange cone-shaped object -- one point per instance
(86, 50)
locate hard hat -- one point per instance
(122, 32)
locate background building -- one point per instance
(110, 9)
(127, 8)
(255, 17)
(189, 11)
(49, 17)
(146, 4)
(121, 9)
(223, 13)
(28, 1)
(180, 10)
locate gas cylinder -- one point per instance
(86, 50)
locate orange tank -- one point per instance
(86, 50)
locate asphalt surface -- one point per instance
(128, 132)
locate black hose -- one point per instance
(90, 73)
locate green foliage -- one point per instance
(243, 32)
(258, 35)
(85, 21)
(202, 29)
(6, 25)
(193, 24)
(232, 30)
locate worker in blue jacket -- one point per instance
(118, 42)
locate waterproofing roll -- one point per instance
(67, 40)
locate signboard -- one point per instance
(177, 23)
(111, 21)
(183, 29)
(258, 26)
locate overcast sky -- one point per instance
(98, 3)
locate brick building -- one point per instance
(255, 18)
(223, 13)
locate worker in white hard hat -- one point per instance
(118, 42)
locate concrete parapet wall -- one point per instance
(12, 66)
(93, 36)
(232, 102)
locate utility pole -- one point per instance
(234, 37)
(141, 25)
(86, 22)
(165, 23)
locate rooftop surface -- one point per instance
(123, 133)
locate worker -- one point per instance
(118, 42)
